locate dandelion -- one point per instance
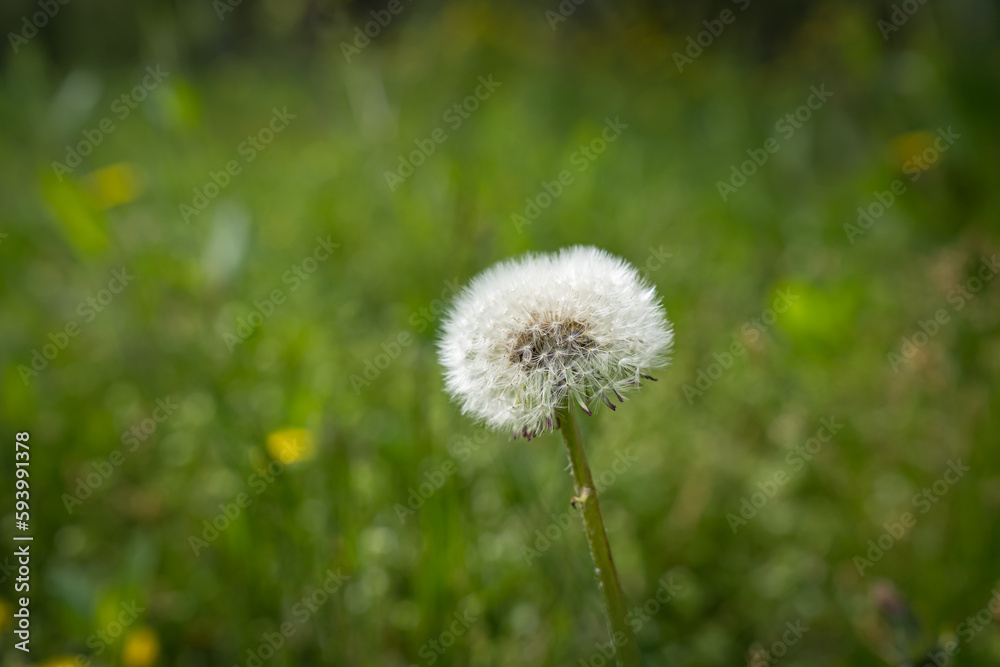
(531, 338)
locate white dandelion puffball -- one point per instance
(533, 335)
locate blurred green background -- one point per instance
(276, 339)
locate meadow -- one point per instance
(230, 233)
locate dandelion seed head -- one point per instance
(533, 335)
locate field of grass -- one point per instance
(219, 330)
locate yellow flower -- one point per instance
(141, 648)
(290, 445)
(115, 184)
(912, 144)
(61, 661)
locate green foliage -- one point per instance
(348, 279)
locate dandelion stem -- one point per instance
(626, 647)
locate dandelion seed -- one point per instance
(534, 335)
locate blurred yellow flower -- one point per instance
(115, 184)
(61, 661)
(906, 146)
(290, 445)
(6, 614)
(141, 648)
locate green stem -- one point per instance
(626, 647)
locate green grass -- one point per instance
(465, 549)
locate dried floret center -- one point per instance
(550, 342)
